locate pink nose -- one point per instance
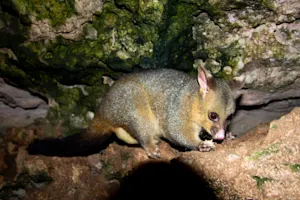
(220, 135)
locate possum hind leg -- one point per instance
(144, 127)
(128, 109)
(142, 130)
(145, 134)
(143, 123)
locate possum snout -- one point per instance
(217, 133)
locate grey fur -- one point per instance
(167, 93)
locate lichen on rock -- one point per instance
(56, 11)
(240, 46)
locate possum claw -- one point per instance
(153, 152)
(206, 146)
(229, 136)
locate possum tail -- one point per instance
(75, 145)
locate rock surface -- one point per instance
(18, 108)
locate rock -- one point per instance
(15, 97)
(18, 108)
(248, 117)
(273, 76)
(72, 28)
(92, 177)
(20, 193)
(12, 148)
(275, 91)
(22, 136)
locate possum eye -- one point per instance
(213, 116)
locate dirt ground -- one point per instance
(262, 164)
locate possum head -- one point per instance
(218, 97)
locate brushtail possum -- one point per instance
(142, 107)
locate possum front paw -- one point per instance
(206, 145)
(229, 136)
(152, 151)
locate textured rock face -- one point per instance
(71, 29)
(251, 33)
(18, 108)
(275, 91)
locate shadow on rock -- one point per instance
(164, 180)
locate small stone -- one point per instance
(19, 192)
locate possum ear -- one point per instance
(204, 80)
(236, 84)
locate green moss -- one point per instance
(264, 46)
(54, 10)
(218, 190)
(295, 167)
(63, 68)
(175, 44)
(151, 12)
(74, 103)
(224, 62)
(273, 148)
(274, 126)
(70, 110)
(213, 8)
(109, 20)
(124, 36)
(14, 73)
(260, 181)
(12, 38)
(110, 172)
(130, 5)
(269, 4)
(180, 19)
(125, 156)
(67, 97)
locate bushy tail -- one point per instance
(75, 145)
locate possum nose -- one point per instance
(218, 134)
